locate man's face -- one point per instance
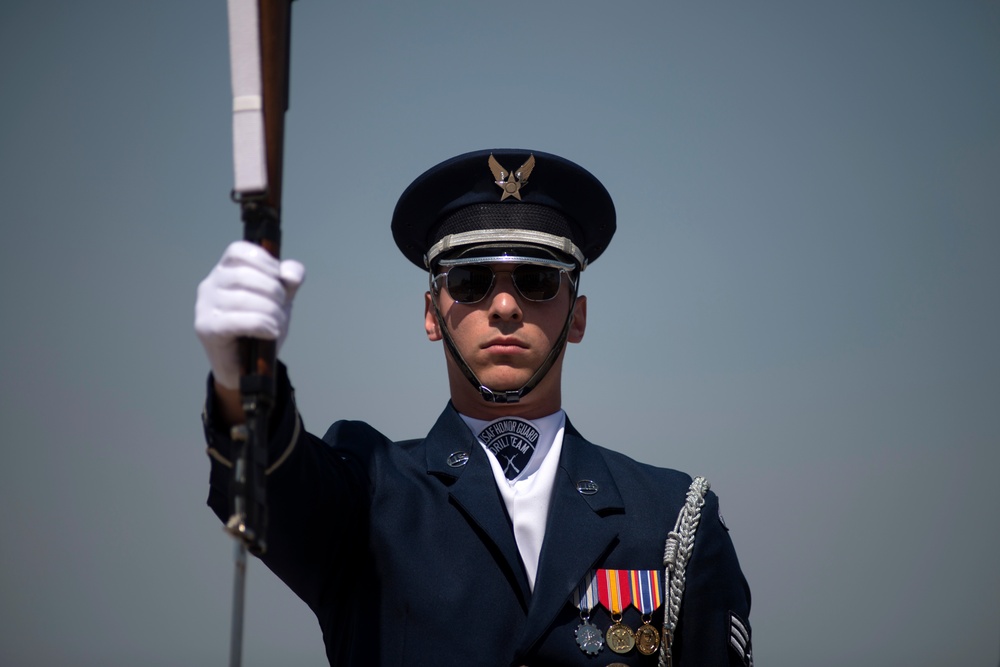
(505, 338)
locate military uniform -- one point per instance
(406, 556)
(409, 553)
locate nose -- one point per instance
(503, 301)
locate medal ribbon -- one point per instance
(614, 590)
(585, 596)
(645, 585)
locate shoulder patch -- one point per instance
(739, 639)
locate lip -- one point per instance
(505, 344)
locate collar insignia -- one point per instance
(511, 184)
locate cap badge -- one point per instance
(511, 184)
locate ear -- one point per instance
(579, 323)
(430, 319)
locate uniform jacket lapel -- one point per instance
(473, 489)
(581, 528)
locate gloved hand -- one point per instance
(248, 293)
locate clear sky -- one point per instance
(800, 304)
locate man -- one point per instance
(503, 537)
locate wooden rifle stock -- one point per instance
(261, 214)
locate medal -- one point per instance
(620, 637)
(645, 585)
(588, 636)
(614, 591)
(647, 639)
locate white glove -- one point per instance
(248, 293)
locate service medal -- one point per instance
(614, 591)
(620, 638)
(588, 636)
(645, 585)
(647, 639)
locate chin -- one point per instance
(505, 381)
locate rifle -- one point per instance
(259, 37)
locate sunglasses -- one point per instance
(471, 283)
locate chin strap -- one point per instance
(506, 395)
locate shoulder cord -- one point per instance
(676, 553)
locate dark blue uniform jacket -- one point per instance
(407, 560)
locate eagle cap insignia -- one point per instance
(511, 184)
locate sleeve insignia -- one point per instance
(739, 639)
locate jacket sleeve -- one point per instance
(713, 628)
(317, 498)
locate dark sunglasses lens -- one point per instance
(469, 284)
(537, 283)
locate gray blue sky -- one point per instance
(800, 304)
